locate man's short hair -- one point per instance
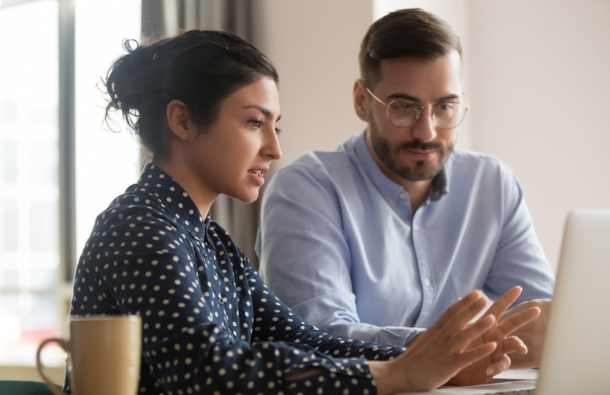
(412, 33)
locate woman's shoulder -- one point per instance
(136, 203)
(135, 218)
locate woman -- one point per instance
(206, 105)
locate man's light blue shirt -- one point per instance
(338, 242)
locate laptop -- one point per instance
(576, 352)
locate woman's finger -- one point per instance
(516, 321)
(501, 305)
(461, 319)
(514, 344)
(462, 339)
(476, 354)
(456, 308)
(502, 364)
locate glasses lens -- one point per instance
(402, 113)
(448, 115)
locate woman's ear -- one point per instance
(178, 119)
(360, 101)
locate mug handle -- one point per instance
(41, 368)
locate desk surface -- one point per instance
(510, 380)
(525, 374)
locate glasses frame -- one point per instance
(417, 117)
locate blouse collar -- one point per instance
(173, 198)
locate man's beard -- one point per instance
(421, 171)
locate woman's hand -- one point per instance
(451, 348)
(439, 352)
(485, 368)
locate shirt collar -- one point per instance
(388, 188)
(173, 198)
(439, 185)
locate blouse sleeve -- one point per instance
(276, 321)
(345, 360)
(145, 266)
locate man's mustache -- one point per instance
(420, 145)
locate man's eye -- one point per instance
(404, 106)
(445, 106)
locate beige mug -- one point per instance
(103, 355)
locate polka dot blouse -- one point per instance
(210, 324)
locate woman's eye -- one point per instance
(257, 123)
(278, 130)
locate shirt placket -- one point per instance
(425, 270)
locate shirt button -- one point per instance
(427, 282)
(403, 195)
(221, 300)
(389, 200)
(416, 227)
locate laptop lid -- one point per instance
(576, 353)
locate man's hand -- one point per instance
(484, 369)
(531, 334)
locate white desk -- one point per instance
(518, 377)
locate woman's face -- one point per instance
(231, 156)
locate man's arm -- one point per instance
(305, 257)
(520, 260)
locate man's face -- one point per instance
(417, 152)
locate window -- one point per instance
(29, 253)
(34, 293)
(106, 162)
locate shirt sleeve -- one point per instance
(519, 258)
(305, 257)
(275, 321)
(188, 349)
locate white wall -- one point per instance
(540, 102)
(314, 44)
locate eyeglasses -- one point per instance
(403, 113)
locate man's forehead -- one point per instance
(441, 76)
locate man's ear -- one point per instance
(360, 102)
(178, 119)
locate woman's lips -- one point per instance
(257, 176)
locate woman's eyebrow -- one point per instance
(265, 111)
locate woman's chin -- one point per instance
(247, 197)
(250, 200)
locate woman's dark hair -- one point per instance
(201, 68)
(412, 33)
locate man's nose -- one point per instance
(424, 128)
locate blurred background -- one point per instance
(535, 72)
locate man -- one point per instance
(376, 240)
